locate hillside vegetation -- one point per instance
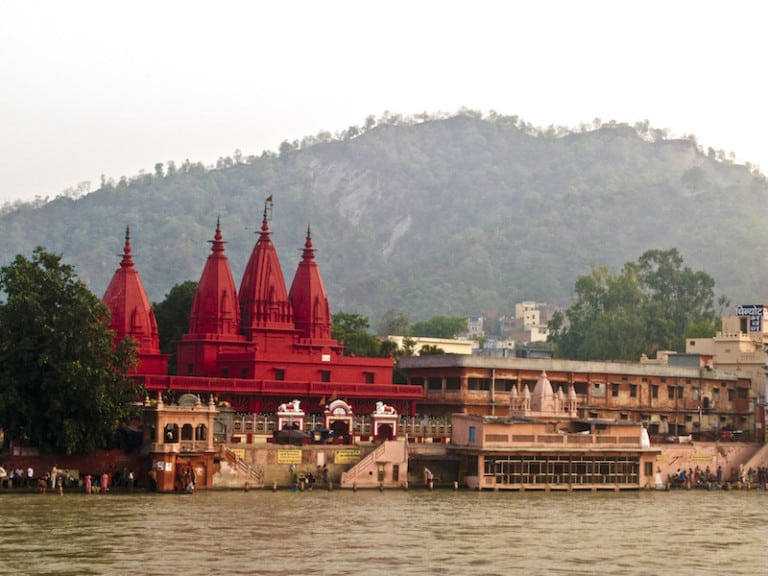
(453, 215)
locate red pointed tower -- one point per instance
(215, 309)
(311, 313)
(214, 319)
(264, 304)
(132, 315)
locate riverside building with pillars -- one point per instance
(670, 401)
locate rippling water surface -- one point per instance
(388, 533)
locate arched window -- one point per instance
(201, 432)
(186, 432)
(171, 433)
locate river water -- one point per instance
(388, 533)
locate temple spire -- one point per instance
(263, 298)
(131, 314)
(215, 309)
(311, 312)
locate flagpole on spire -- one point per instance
(268, 208)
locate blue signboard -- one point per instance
(755, 314)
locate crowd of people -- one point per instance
(57, 480)
(706, 478)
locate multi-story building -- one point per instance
(668, 400)
(741, 345)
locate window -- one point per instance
(598, 389)
(453, 383)
(671, 392)
(731, 394)
(325, 375)
(654, 391)
(743, 325)
(396, 472)
(190, 368)
(472, 433)
(615, 389)
(244, 373)
(633, 390)
(649, 469)
(434, 384)
(479, 384)
(225, 372)
(742, 393)
(279, 374)
(369, 378)
(502, 385)
(680, 391)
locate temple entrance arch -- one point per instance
(340, 419)
(385, 420)
(340, 430)
(385, 432)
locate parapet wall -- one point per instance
(278, 465)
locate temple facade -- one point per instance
(257, 347)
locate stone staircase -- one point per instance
(759, 458)
(250, 475)
(365, 474)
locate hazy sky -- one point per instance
(106, 87)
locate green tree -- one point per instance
(677, 297)
(172, 315)
(602, 322)
(394, 323)
(63, 383)
(440, 327)
(651, 305)
(352, 331)
(431, 350)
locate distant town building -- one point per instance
(475, 327)
(449, 346)
(529, 323)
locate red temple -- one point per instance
(132, 316)
(256, 348)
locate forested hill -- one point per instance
(449, 216)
